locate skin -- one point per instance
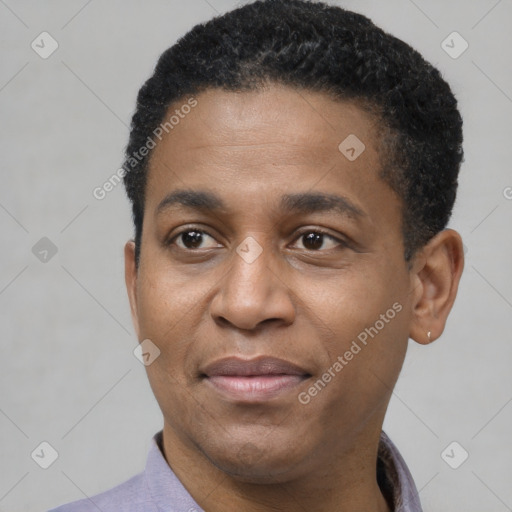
(302, 303)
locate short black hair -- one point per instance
(322, 48)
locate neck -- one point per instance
(343, 479)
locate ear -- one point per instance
(130, 277)
(435, 277)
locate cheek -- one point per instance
(166, 310)
(164, 300)
(367, 320)
(354, 300)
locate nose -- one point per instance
(253, 292)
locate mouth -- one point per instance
(253, 380)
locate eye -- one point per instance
(193, 239)
(314, 240)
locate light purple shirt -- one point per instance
(157, 488)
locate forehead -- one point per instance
(264, 143)
(309, 123)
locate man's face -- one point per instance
(271, 270)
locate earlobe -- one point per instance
(130, 276)
(435, 282)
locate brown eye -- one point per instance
(317, 240)
(192, 239)
(313, 241)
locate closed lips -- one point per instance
(261, 366)
(253, 381)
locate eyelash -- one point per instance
(317, 231)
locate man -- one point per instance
(292, 169)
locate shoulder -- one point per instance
(131, 495)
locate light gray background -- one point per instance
(67, 373)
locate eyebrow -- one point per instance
(302, 203)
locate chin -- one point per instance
(253, 462)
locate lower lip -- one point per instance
(254, 388)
